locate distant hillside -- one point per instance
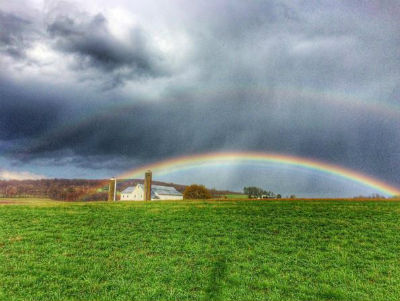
(76, 189)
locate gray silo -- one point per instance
(147, 185)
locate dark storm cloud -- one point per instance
(94, 46)
(20, 119)
(236, 58)
(152, 132)
(14, 35)
(25, 114)
(141, 130)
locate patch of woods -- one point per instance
(253, 192)
(196, 192)
(57, 189)
(375, 196)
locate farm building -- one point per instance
(157, 193)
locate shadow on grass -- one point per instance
(218, 273)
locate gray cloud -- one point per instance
(266, 75)
(94, 46)
(26, 114)
(147, 132)
(14, 35)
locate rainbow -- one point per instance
(220, 158)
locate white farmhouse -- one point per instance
(157, 193)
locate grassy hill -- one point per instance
(200, 250)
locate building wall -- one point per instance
(135, 195)
(138, 193)
(170, 197)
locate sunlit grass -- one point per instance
(200, 250)
(29, 202)
(236, 196)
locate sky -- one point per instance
(91, 89)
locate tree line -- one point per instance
(253, 192)
(57, 189)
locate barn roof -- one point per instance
(128, 189)
(164, 190)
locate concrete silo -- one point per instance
(147, 186)
(112, 187)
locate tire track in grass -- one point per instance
(218, 274)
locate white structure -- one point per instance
(157, 193)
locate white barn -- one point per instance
(157, 193)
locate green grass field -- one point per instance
(236, 196)
(195, 250)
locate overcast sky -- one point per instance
(94, 88)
